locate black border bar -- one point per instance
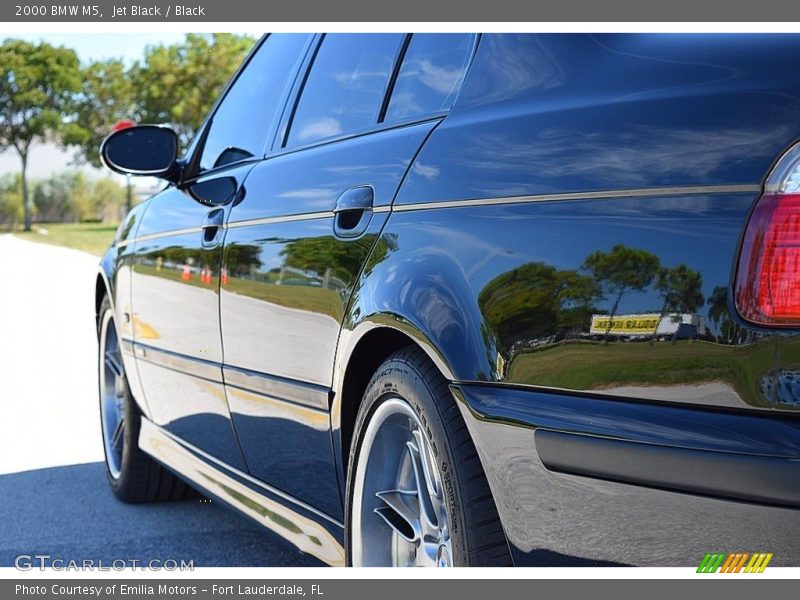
(249, 11)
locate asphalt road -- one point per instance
(53, 495)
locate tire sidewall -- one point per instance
(397, 379)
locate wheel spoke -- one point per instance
(399, 513)
(427, 464)
(423, 485)
(118, 436)
(112, 362)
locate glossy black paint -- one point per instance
(289, 275)
(176, 325)
(561, 519)
(660, 144)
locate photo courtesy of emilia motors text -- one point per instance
(294, 294)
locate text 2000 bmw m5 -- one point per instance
(471, 300)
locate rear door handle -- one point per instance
(353, 211)
(212, 225)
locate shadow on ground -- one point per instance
(71, 514)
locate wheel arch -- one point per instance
(101, 289)
(414, 294)
(367, 346)
(103, 286)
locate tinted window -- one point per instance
(431, 74)
(243, 120)
(346, 86)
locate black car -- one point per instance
(471, 300)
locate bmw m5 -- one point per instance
(467, 300)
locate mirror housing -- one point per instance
(215, 192)
(150, 150)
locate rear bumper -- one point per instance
(581, 480)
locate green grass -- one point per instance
(93, 238)
(302, 297)
(594, 366)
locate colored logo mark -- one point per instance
(736, 562)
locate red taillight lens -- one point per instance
(768, 278)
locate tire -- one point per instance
(133, 476)
(407, 424)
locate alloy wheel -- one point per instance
(112, 395)
(399, 515)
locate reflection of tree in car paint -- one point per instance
(621, 270)
(314, 273)
(538, 318)
(537, 300)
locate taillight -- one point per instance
(767, 287)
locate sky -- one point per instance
(48, 158)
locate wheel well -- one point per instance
(372, 349)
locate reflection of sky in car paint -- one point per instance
(609, 112)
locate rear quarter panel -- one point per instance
(669, 138)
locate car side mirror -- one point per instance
(143, 150)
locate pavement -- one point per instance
(52, 482)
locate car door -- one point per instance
(178, 255)
(297, 241)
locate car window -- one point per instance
(431, 74)
(243, 120)
(346, 86)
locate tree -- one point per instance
(621, 270)
(54, 198)
(719, 314)
(521, 304)
(682, 290)
(102, 201)
(107, 96)
(327, 257)
(578, 295)
(536, 300)
(178, 84)
(37, 85)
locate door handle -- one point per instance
(212, 224)
(353, 211)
